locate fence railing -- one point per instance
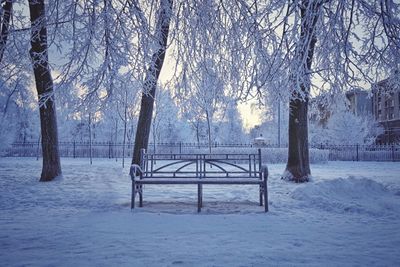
(362, 152)
(118, 150)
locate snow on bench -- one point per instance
(199, 169)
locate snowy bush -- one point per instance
(345, 128)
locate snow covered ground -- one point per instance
(348, 216)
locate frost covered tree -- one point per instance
(125, 105)
(290, 49)
(151, 78)
(314, 45)
(337, 125)
(51, 167)
(298, 165)
(17, 100)
(205, 99)
(231, 126)
(166, 122)
(6, 7)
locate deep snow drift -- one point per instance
(349, 215)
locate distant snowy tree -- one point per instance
(166, 121)
(124, 105)
(197, 123)
(205, 98)
(17, 99)
(347, 128)
(342, 127)
(231, 127)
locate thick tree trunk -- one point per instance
(5, 25)
(298, 165)
(44, 84)
(150, 84)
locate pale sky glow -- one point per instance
(251, 116)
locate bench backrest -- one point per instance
(201, 165)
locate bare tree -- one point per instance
(44, 84)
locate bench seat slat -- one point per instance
(194, 172)
(207, 177)
(199, 181)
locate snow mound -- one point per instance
(349, 195)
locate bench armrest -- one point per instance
(135, 171)
(264, 170)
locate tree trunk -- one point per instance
(125, 122)
(209, 131)
(150, 84)
(44, 84)
(5, 25)
(298, 165)
(90, 138)
(198, 133)
(116, 140)
(154, 136)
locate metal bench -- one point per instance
(199, 169)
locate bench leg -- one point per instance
(261, 195)
(140, 196)
(265, 195)
(133, 196)
(199, 197)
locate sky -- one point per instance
(251, 114)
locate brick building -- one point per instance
(359, 102)
(386, 110)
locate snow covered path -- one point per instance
(349, 215)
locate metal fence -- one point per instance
(118, 150)
(104, 149)
(362, 152)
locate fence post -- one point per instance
(74, 155)
(393, 153)
(38, 147)
(109, 149)
(357, 151)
